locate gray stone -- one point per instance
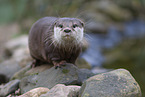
(21, 73)
(26, 71)
(12, 45)
(68, 75)
(38, 69)
(86, 74)
(117, 83)
(9, 88)
(61, 90)
(9, 67)
(22, 56)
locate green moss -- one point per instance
(65, 71)
(86, 95)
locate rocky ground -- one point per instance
(20, 80)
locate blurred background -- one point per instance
(115, 29)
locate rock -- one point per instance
(86, 74)
(21, 73)
(20, 53)
(22, 56)
(127, 55)
(9, 67)
(61, 90)
(15, 94)
(117, 83)
(38, 69)
(9, 88)
(12, 45)
(30, 71)
(68, 75)
(35, 92)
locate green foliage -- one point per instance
(11, 10)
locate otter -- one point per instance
(56, 41)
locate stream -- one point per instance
(98, 42)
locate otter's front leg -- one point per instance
(59, 64)
(36, 63)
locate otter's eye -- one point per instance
(75, 25)
(60, 26)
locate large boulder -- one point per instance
(68, 75)
(61, 90)
(117, 83)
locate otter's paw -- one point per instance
(59, 64)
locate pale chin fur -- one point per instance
(57, 34)
(78, 34)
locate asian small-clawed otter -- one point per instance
(56, 40)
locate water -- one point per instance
(98, 42)
(135, 29)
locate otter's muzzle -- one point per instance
(67, 30)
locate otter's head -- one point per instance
(68, 30)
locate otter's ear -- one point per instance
(55, 23)
(82, 23)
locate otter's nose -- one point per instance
(67, 30)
